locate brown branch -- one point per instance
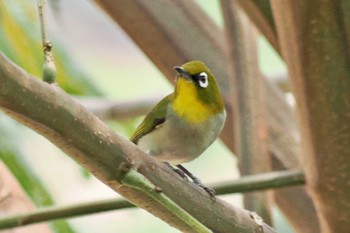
(260, 13)
(290, 207)
(52, 113)
(314, 39)
(249, 102)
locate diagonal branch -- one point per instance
(52, 113)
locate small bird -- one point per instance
(183, 124)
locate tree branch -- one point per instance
(52, 113)
(57, 212)
(249, 102)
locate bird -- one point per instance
(186, 122)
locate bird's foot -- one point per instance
(178, 171)
(210, 191)
(198, 182)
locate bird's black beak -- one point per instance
(183, 72)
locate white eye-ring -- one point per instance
(203, 80)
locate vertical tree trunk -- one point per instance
(315, 45)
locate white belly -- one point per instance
(176, 142)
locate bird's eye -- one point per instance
(203, 80)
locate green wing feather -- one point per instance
(155, 118)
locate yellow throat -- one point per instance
(188, 105)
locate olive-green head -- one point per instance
(195, 80)
(196, 100)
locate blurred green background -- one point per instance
(94, 57)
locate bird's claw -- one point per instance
(210, 191)
(184, 173)
(181, 173)
(198, 182)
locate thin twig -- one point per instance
(54, 212)
(41, 7)
(245, 184)
(269, 180)
(49, 68)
